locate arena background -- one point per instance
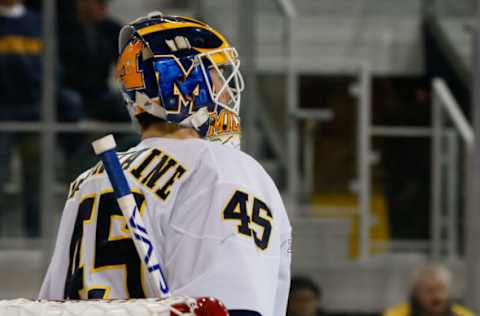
(362, 111)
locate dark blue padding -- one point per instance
(115, 173)
(242, 313)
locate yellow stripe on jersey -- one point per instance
(20, 45)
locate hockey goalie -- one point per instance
(215, 217)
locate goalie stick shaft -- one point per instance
(105, 148)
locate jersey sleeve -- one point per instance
(54, 282)
(283, 286)
(285, 256)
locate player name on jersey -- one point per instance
(150, 166)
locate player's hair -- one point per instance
(146, 120)
(301, 282)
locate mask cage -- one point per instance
(227, 82)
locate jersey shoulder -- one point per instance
(150, 163)
(159, 164)
(97, 171)
(460, 310)
(238, 169)
(229, 161)
(402, 309)
(217, 158)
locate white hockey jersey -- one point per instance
(216, 217)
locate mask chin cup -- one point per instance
(197, 120)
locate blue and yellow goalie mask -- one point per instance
(184, 72)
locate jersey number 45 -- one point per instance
(261, 218)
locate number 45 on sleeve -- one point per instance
(237, 209)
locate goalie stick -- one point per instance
(105, 148)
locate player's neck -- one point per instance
(169, 131)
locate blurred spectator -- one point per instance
(305, 298)
(20, 89)
(429, 295)
(20, 63)
(88, 51)
(21, 49)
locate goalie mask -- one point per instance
(182, 71)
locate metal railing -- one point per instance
(443, 223)
(445, 161)
(451, 164)
(358, 68)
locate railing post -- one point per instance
(452, 194)
(363, 158)
(292, 106)
(49, 105)
(308, 158)
(436, 176)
